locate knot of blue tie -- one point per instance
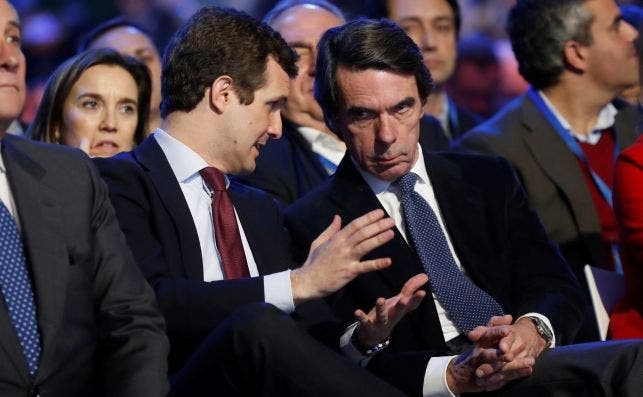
(406, 183)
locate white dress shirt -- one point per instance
(606, 119)
(324, 145)
(186, 164)
(435, 383)
(5, 191)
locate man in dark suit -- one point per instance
(562, 137)
(308, 152)
(80, 319)
(171, 197)
(502, 295)
(434, 25)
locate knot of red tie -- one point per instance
(213, 178)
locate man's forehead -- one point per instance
(402, 9)
(375, 88)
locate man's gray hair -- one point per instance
(539, 29)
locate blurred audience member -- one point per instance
(76, 316)
(307, 152)
(97, 101)
(476, 80)
(562, 136)
(626, 320)
(434, 26)
(633, 14)
(128, 38)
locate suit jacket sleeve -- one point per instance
(133, 347)
(545, 283)
(192, 307)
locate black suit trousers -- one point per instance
(261, 351)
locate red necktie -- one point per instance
(226, 230)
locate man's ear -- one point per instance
(575, 55)
(221, 93)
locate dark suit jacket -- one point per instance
(550, 174)
(498, 238)
(287, 168)
(463, 121)
(159, 229)
(101, 332)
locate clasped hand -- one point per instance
(502, 352)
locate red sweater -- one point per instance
(601, 159)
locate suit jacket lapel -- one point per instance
(150, 155)
(353, 198)
(46, 252)
(560, 164)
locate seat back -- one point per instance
(606, 288)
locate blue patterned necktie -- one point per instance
(467, 304)
(16, 288)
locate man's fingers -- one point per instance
(507, 319)
(329, 232)
(506, 345)
(358, 224)
(413, 284)
(476, 333)
(416, 299)
(487, 369)
(381, 312)
(372, 265)
(361, 316)
(492, 336)
(366, 246)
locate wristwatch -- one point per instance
(543, 330)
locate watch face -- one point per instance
(542, 329)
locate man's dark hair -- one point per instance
(111, 24)
(455, 7)
(538, 30)
(360, 45)
(284, 5)
(216, 42)
(48, 121)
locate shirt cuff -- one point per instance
(349, 350)
(278, 291)
(435, 378)
(547, 323)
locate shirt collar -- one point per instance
(185, 162)
(3, 169)
(606, 119)
(378, 185)
(443, 118)
(314, 136)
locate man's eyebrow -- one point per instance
(353, 110)
(408, 101)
